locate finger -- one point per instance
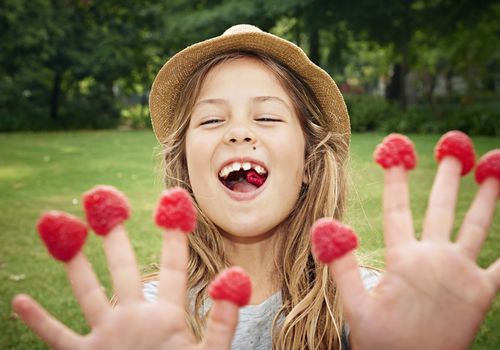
(122, 265)
(87, 289)
(398, 222)
(345, 272)
(493, 273)
(221, 325)
(51, 331)
(438, 222)
(173, 267)
(474, 229)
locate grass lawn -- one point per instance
(50, 171)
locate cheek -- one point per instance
(193, 149)
(198, 156)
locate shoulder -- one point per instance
(369, 276)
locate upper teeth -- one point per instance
(236, 166)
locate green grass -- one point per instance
(50, 171)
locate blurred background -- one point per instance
(404, 65)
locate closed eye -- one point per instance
(211, 121)
(268, 119)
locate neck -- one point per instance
(256, 256)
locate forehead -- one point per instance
(242, 77)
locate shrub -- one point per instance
(368, 113)
(372, 113)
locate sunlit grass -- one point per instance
(51, 170)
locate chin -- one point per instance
(248, 229)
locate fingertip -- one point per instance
(488, 167)
(492, 184)
(21, 302)
(222, 324)
(395, 175)
(458, 145)
(233, 285)
(451, 165)
(175, 238)
(225, 310)
(176, 210)
(105, 207)
(25, 307)
(396, 150)
(330, 240)
(343, 264)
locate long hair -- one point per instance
(311, 315)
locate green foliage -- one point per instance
(375, 113)
(61, 60)
(136, 117)
(78, 64)
(369, 113)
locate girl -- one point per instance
(248, 101)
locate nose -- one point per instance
(240, 135)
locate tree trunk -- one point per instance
(393, 89)
(403, 101)
(314, 42)
(55, 97)
(405, 40)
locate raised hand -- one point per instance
(134, 323)
(432, 294)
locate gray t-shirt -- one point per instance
(255, 322)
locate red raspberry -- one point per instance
(63, 234)
(105, 207)
(255, 178)
(331, 239)
(396, 149)
(176, 210)
(232, 284)
(489, 166)
(456, 144)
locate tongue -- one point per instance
(243, 186)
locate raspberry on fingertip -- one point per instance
(331, 239)
(176, 210)
(488, 166)
(395, 150)
(105, 207)
(456, 144)
(232, 284)
(63, 234)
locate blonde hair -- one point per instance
(311, 315)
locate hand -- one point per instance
(432, 294)
(134, 323)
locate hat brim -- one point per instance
(173, 75)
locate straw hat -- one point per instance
(172, 76)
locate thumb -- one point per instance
(230, 288)
(346, 274)
(221, 325)
(333, 244)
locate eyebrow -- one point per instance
(258, 99)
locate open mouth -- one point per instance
(243, 177)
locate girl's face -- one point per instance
(245, 150)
